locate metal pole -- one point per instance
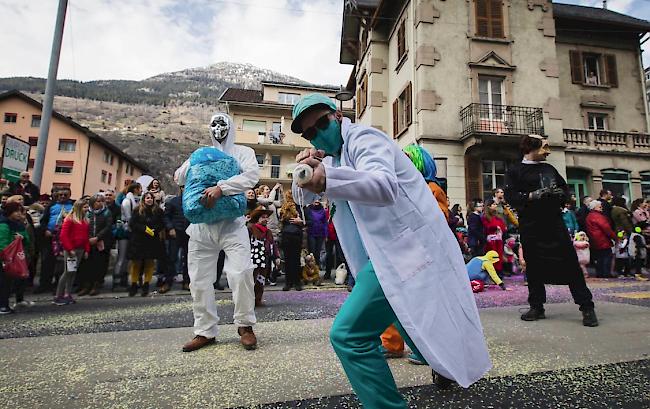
(46, 115)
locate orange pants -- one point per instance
(392, 340)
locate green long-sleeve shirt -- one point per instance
(8, 232)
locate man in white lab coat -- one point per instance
(407, 264)
(207, 240)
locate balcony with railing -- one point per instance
(610, 141)
(275, 173)
(488, 119)
(271, 140)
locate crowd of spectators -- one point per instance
(68, 243)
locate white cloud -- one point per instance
(304, 44)
(135, 39)
(622, 6)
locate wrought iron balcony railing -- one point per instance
(501, 119)
(606, 140)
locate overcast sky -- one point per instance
(136, 39)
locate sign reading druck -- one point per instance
(15, 158)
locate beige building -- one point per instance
(76, 157)
(466, 79)
(263, 122)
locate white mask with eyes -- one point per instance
(219, 127)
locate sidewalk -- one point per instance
(145, 369)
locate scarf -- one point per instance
(263, 229)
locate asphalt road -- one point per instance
(615, 381)
(623, 385)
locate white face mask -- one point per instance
(219, 127)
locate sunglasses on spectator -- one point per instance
(322, 123)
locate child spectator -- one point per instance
(622, 258)
(581, 244)
(638, 252)
(495, 228)
(569, 217)
(263, 250)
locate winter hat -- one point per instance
(257, 213)
(11, 207)
(491, 256)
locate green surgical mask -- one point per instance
(329, 139)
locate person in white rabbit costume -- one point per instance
(408, 267)
(231, 236)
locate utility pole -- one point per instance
(46, 115)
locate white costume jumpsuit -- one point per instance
(207, 240)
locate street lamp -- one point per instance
(343, 95)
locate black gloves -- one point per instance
(547, 193)
(542, 193)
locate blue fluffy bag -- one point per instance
(208, 166)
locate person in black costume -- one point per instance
(539, 192)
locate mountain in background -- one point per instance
(160, 120)
(201, 85)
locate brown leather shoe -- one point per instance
(247, 337)
(197, 342)
(165, 288)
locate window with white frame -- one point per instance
(108, 157)
(260, 159)
(490, 93)
(67, 145)
(591, 67)
(597, 121)
(645, 185)
(288, 98)
(251, 125)
(63, 166)
(275, 166)
(104, 176)
(494, 175)
(618, 181)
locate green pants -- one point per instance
(355, 336)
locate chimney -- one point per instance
(605, 4)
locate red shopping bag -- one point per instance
(14, 260)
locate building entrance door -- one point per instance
(578, 187)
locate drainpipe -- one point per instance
(643, 86)
(416, 83)
(83, 188)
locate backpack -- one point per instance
(209, 165)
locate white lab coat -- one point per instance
(385, 212)
(207, 240)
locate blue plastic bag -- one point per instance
(209, 165)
